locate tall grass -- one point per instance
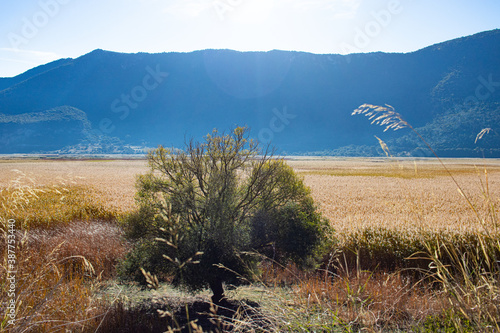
(35, 206)
(66, 242)
(470, 275)
(467, 272)
(48, 296)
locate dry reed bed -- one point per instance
(366, 201)
(357, 202)
(57, 272)
(397, 197)
(113, 180)
(66, 242)
(354, 194)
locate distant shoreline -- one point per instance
(117, 157)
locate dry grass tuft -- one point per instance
(57, 270)
(347, 300)
(101, 243)
(355, 300)
(48, 296)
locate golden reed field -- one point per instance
(352, 193)
(416, 249)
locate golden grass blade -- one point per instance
(384, 147)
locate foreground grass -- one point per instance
(376, 278)
(285, 301)
(57, 271)
(65, 241)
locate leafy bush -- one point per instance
(213, 206)
(294, 233)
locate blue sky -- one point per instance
(34, 32)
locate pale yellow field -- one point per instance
(406, 200)
(352, 193)
(113, 179)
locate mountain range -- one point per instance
(301, 103)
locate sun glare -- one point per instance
(251, 12)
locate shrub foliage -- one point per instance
(211, 208)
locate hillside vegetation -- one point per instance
(300, 101)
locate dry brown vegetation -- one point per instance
(383, 210)
(65, 242)
(352, 193)
(113, 181)
(403, 195)
(57, 272)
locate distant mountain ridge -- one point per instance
(8, 82)
(300, 102)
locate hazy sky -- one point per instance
(36, 32)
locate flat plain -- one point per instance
(353, 193)
(383, 211)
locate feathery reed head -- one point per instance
(480, 135)
(383, 116)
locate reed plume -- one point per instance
(383, 116)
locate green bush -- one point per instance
(146, 254)
(203, 207)
(295, 232)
